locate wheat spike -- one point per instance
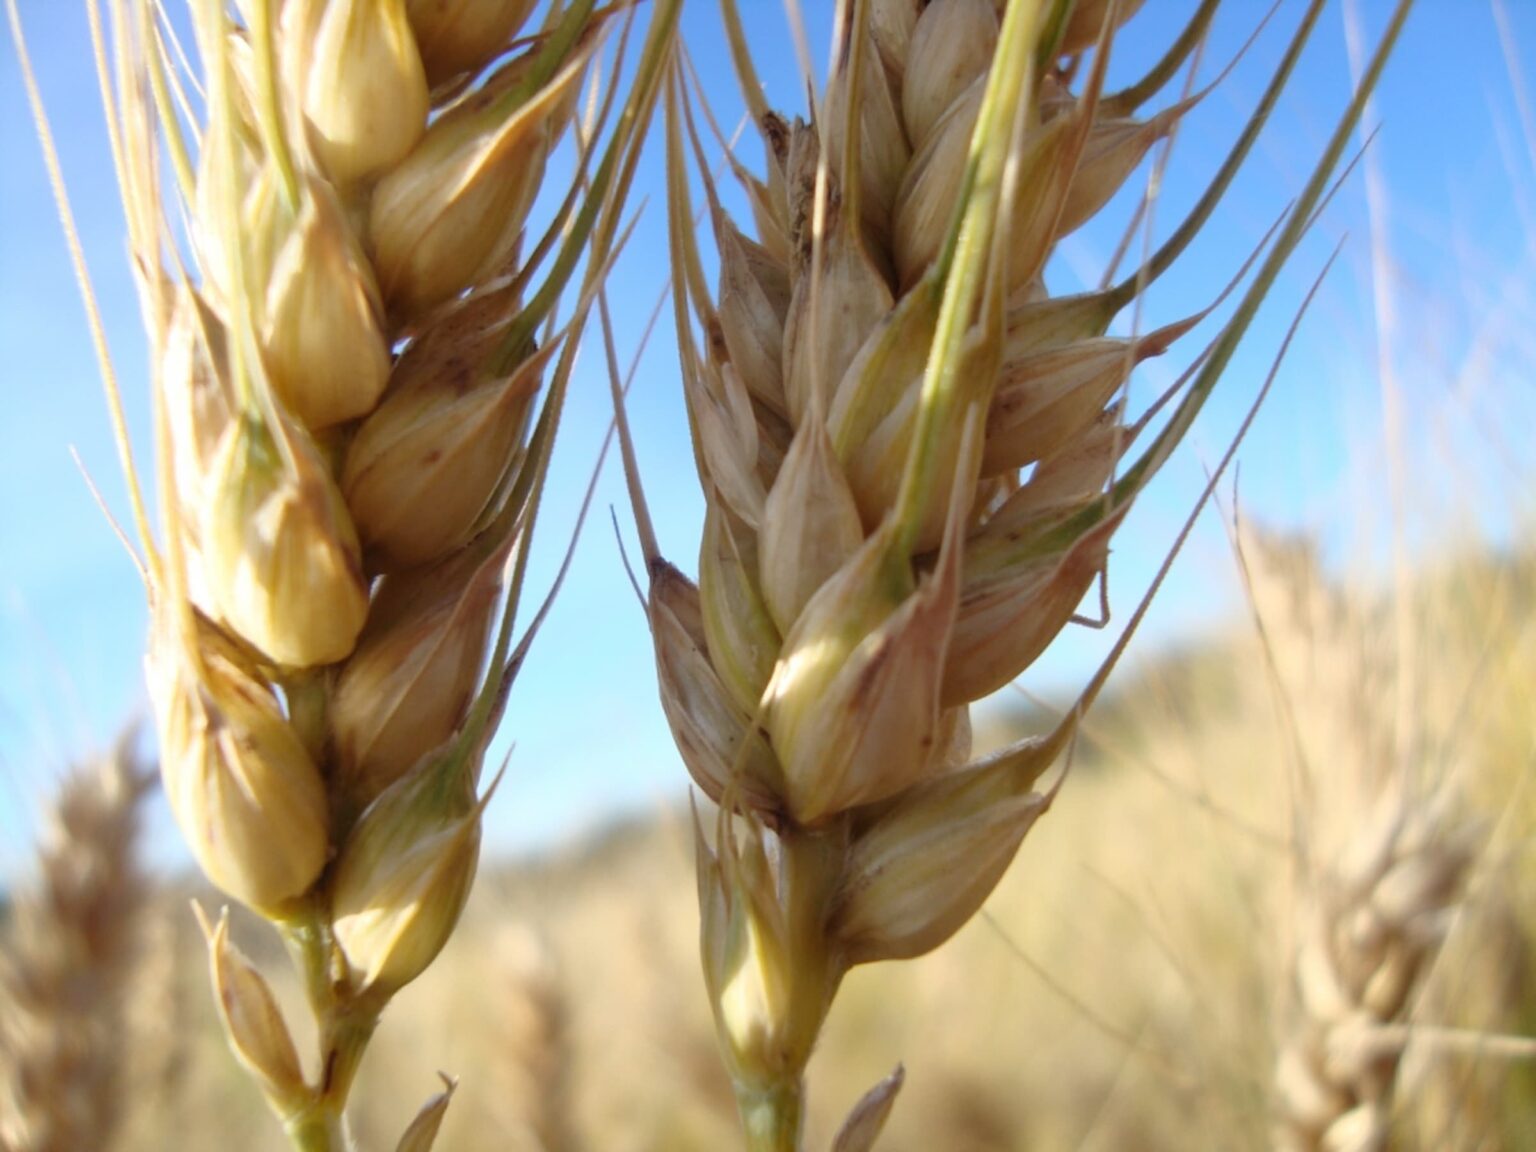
(1386, 856)
(68, 965)
(913, 458)
(361, 353)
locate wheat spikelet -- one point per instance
(913, 459)
(360, 363)
(68, 965)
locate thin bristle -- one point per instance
(82, 274)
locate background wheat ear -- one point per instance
(1389, 837)
(68, 962)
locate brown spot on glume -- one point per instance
(777, 133)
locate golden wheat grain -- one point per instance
(69, 963)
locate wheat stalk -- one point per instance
(879, 368)
(351, 337)
(69, 962)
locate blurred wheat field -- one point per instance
(1120, 992)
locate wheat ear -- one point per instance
(360, 360)
(1384, 855)
(879, 368)
(68, 964)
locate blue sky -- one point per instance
(1456, 161)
